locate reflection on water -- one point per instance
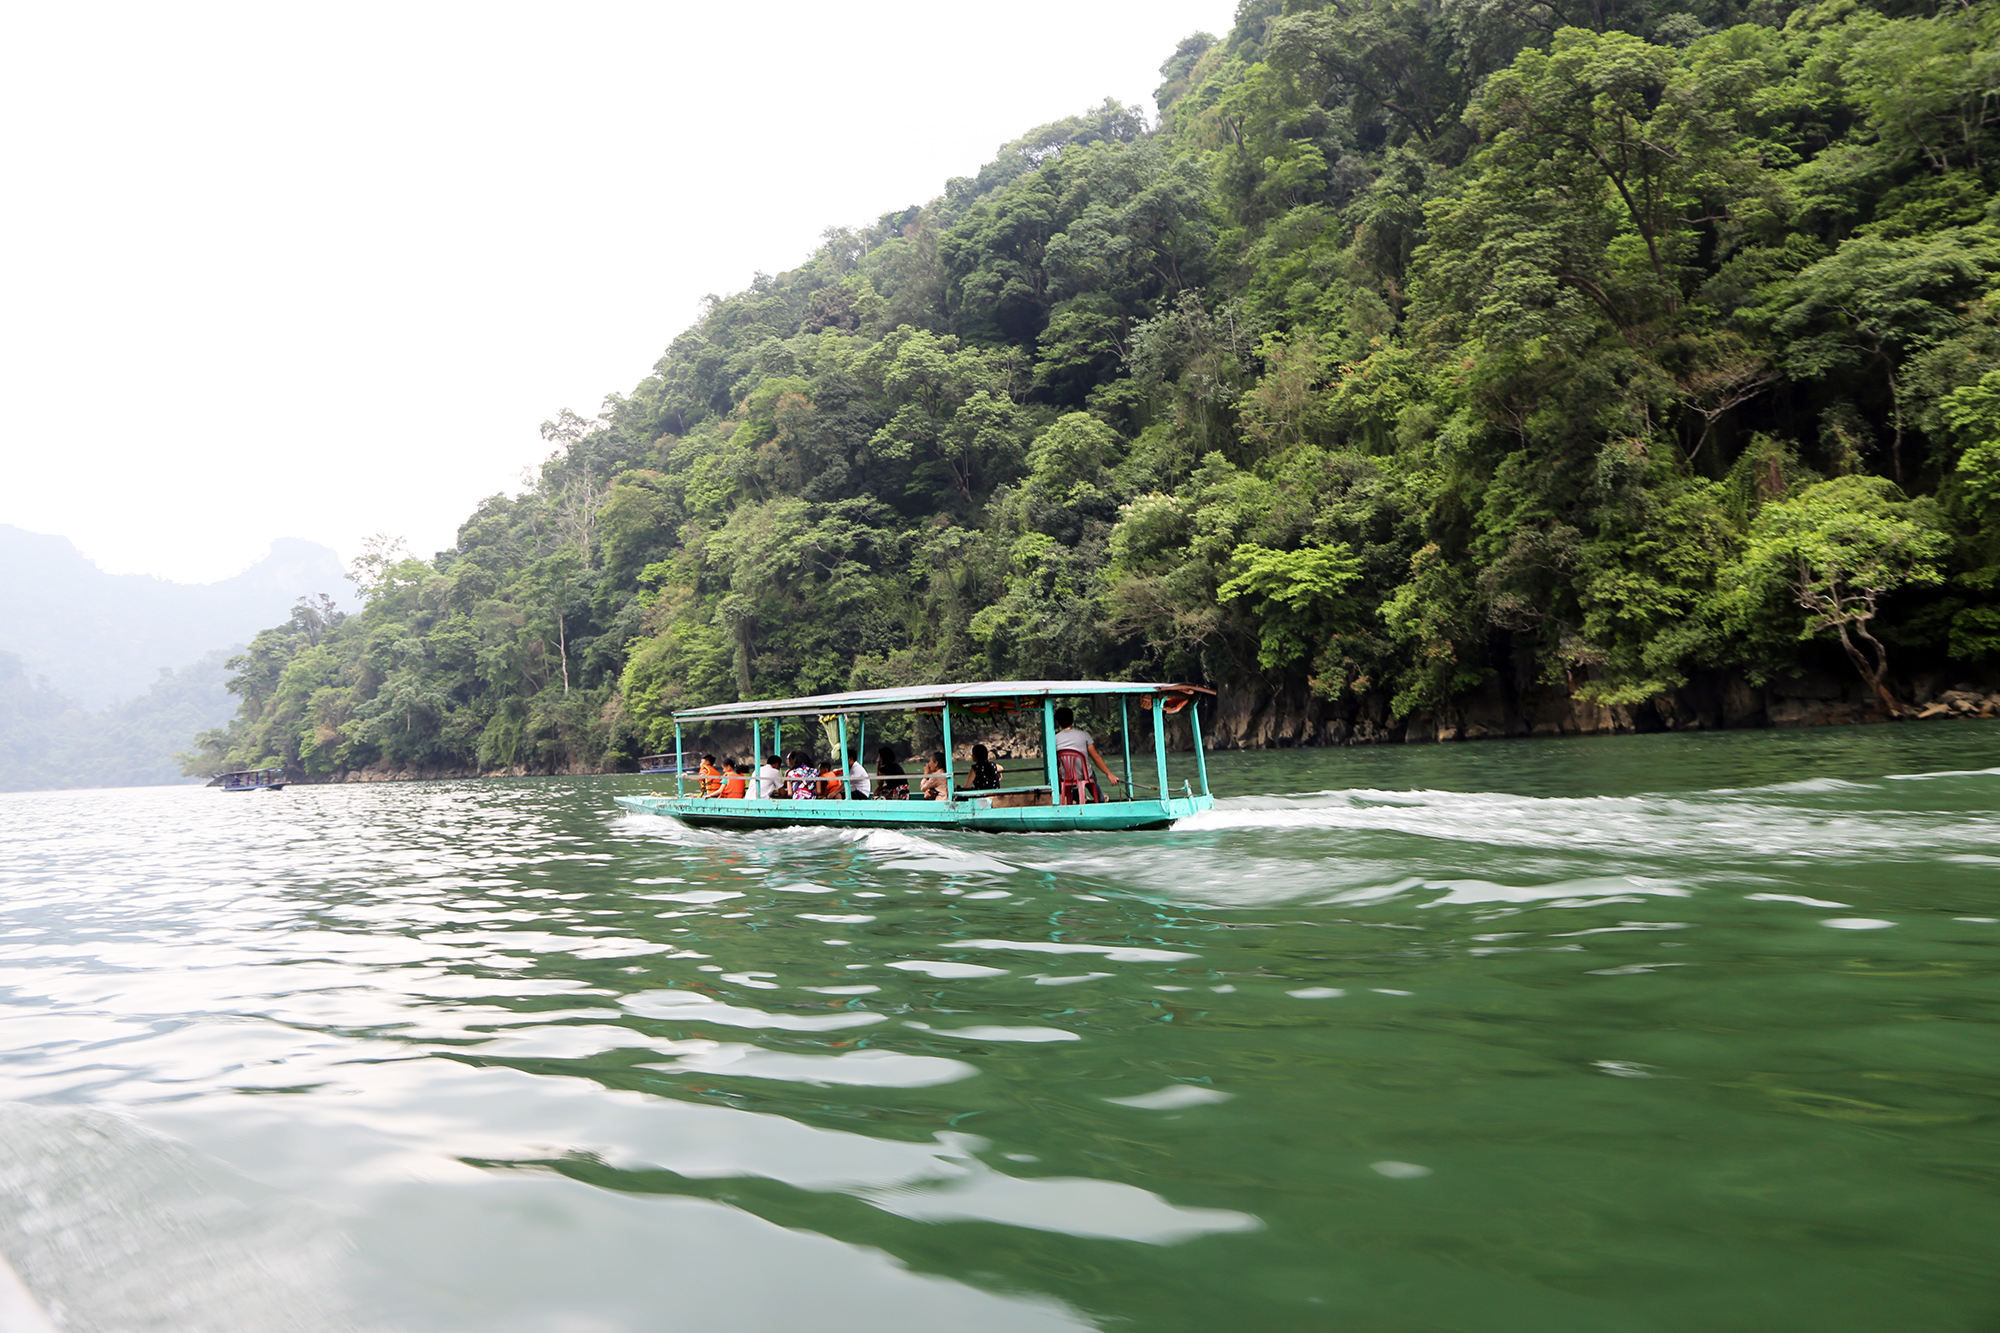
(1643, 1033)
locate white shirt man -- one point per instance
(769, 777)
(857, 777)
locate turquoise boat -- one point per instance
(1062, 802)
(251, 779)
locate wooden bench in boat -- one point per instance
(1009, 798)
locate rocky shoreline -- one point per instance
(1249, 719)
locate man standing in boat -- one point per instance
(1075, 752)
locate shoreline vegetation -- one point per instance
(1779, 713)
(1420, 372)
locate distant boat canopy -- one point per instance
(1068, 797)
(251, 779)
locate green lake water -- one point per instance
(1638, 1033)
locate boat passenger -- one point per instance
(829, 781)
(734, 785)
(895, 787)
(771, 778)
(708, 777)
(985, 773)
(934, 777)
(804, 777)
(857, 776)
(1075, 752)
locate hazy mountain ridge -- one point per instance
(105, 677)
(99, 637)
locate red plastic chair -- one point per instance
(1073, 773)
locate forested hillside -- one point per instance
(1429, 367)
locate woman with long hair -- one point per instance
(892, 786)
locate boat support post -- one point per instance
(1160, 740)
(680, 782)
(757, 749)
(846, 778)
(1049, 750)
(1200, 756)
(1125, 729)
(948, 764)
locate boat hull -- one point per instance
(977, 814)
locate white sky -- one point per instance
(322, 270)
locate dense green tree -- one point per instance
(1301, 598)
(1868, 307)
(1835, 551)
(1422, 348)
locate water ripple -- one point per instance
(498, 1055)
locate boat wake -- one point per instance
(1375, 844)
(1863, 819)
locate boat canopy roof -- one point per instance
(997, 695)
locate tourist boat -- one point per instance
(1063, 801)
(657, 763)
(251, 779)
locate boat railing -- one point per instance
(823, 782)
(1161, 702)
(958, 793)
(911, 782)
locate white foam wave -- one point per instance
(1573, 892)
(1115, 953)
(1742, 825)
(693, 1006)
(1801, 786)
(913, 851)
(863, 1068)
(1944, 773)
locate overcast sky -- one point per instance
(322, 270)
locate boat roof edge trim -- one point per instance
(903, 698)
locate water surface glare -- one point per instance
(1641, 1033)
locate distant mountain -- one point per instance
(99, 637)
(48, 741)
